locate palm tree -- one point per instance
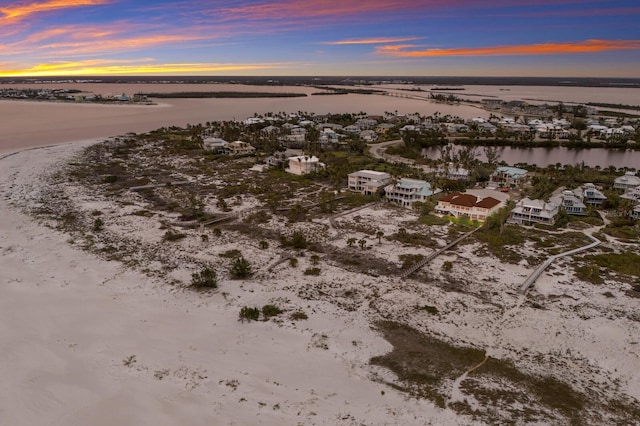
(379, 236)
(351, 241)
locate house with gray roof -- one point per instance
(407, 191)
(528, 212)
(627, 182)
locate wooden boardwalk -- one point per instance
(413, 268)
(540, 269)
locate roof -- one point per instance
(511, 171)
(458, 199)
(371, 174)
(488, 203)
(629, 179)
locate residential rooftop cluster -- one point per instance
(67, 95)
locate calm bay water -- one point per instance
(29, 124)
(548, 156)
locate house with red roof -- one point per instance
(459, 204)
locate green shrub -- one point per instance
(430, 309)
(312, 271)
(206, 278)
(447, 266)
(263, 245)
(230, 254)
(269, 311)
(98, 225)
(296, 316)
(249, 314)
(173, 236)
(298, 240)
(241, 268)
(293, 262)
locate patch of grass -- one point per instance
(429, 309)
(312, 271)
(589, 273)
(249, 314)
(409, 260)
(299, 315)
(425, 364)
(269, 311)
(206, 278)
(432, 220)
(627, 262)
(173, 236)
(230, 254)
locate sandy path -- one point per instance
(69, 324)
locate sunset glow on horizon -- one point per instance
(581, 38)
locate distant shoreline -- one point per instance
(602, 82)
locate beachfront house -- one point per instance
(528, 212)
(627, 182)
(407, 191)
(368, 182)
(509, 176)
(304, 164)
(461, 204)
(239, 148)
(571, 203)
(216, 145)
(591, 195)
(633, 195)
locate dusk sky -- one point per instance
(573, 38)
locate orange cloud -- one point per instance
(22, 10)
(371, 41)
(131, 67)
(291, 9)
(287, 9)
(587, 46)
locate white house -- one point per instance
(627, 182)
(368, 136)
(591, 195)
(216, 145)
(632, 194)
(368, 182)
(304, 164)
(408, 191)
(528, 211)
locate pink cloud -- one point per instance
(374, 40)
(587, 46)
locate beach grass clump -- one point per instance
(249, 314)
(269, 311)
(205, 279)
(241, 267)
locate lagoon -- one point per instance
(543, 157)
